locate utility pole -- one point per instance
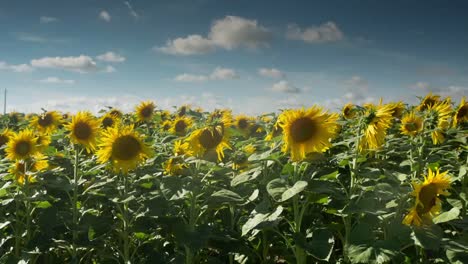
(4, 102)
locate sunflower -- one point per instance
(220, 114)
(182, 111)
(377, 120)
(180, 125)
(411, 124)
(47, 123)
(439, 120)
(397, 109)
(205, 140)
(43, 141)
(240, 160)
(306, 131)
(243, 123)
(22, 145)
(427, 203)
(15, 117)
(37, 165)
(182, 148)
(144, 112)
(5, 136)
(165, 115)
(123, 147)
(84, 130)
(428, 101)
(115, 112)
(108, 120)
(349, 111)
(166, 125)
(461, 115)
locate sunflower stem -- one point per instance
(126, 244)
(300, 254)
(76, 178)
(27, 203)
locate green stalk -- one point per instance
(76, 178)
(27, 203)
(300, 254)
(126, 241)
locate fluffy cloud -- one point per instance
(218, 73)
(228, 33)
(109, 69)
(191, 45)
(285, 87)
(80, 64)
(454, 91)
(327, 32)
(47, 20)
(111, 57)
(56, 80)
(104, 15)
(271, 73)
(15, 68)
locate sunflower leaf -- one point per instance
(447, 216)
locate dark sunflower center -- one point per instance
(46, 120)
(180, 126)
(462, 112)
(242, 123)
(411, 126)
(3, 140)
(107, 122)
(126, 148)
(82, 130)
(303, 129)
(115, 113)
(167, 126)
(146, 112)
(22, 148)
(210, 138)
(182, 111)
(427, 196)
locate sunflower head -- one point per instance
(22, 145)
(108, 120)
(182, 148)
(206, 140)
(166, 125)
(411, 124)
(182, 111)
(47, 122)
(5, 136)
(83, 130)
(306, 131)
(377, 120)
(349, 111)
(43, 141)
(438, 120)
(397, 109)
(124, 148)
(428, 101)
(15, 117)
(243, 123)
(116, 113)
(144, 111)
(461, 115)
(174, 166)
(165, 115)
(181, 125)
(18, 169)
(427, 203)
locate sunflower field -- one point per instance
(377, 183)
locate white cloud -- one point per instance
(109, 69)
(454, 91)
(111, 57)
(104, 15)
(228, 33)
(219, 73)
(185, 77)
(271, 73)
(56, 80)
(233, 31)
(284, 87)
(47, 19)
(327, 32)
(357, 82)
(80, 64)
(131, 10)
(191, 45)
(15, 68)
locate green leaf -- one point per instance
(321, 244)
(42, 204)
(447, 216)
(427, 237)
(246, 176)
(295, 189)
(276, 188)
(260, 218)
(4, 224)
(225, 196)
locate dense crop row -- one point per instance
(372, 184)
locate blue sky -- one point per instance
(252, 56)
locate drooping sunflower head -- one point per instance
(84, 130)
(165, 115)
(306, 131)
(182, 111)
(22, 145)
(397, 109)
(18, 169)
(209, 139)
(461, 115)
(438, 120)
(116, 112)
(181, 125)
(428, 101)
(5, 136)
(349, 111)
(243, 123)
(427, 202)
(220, 116)
(124, 148)
(377, 120)
(166, 125)
(47, 122)
(108, 120)
(411, 124)
(144, 111)
(182, 148)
